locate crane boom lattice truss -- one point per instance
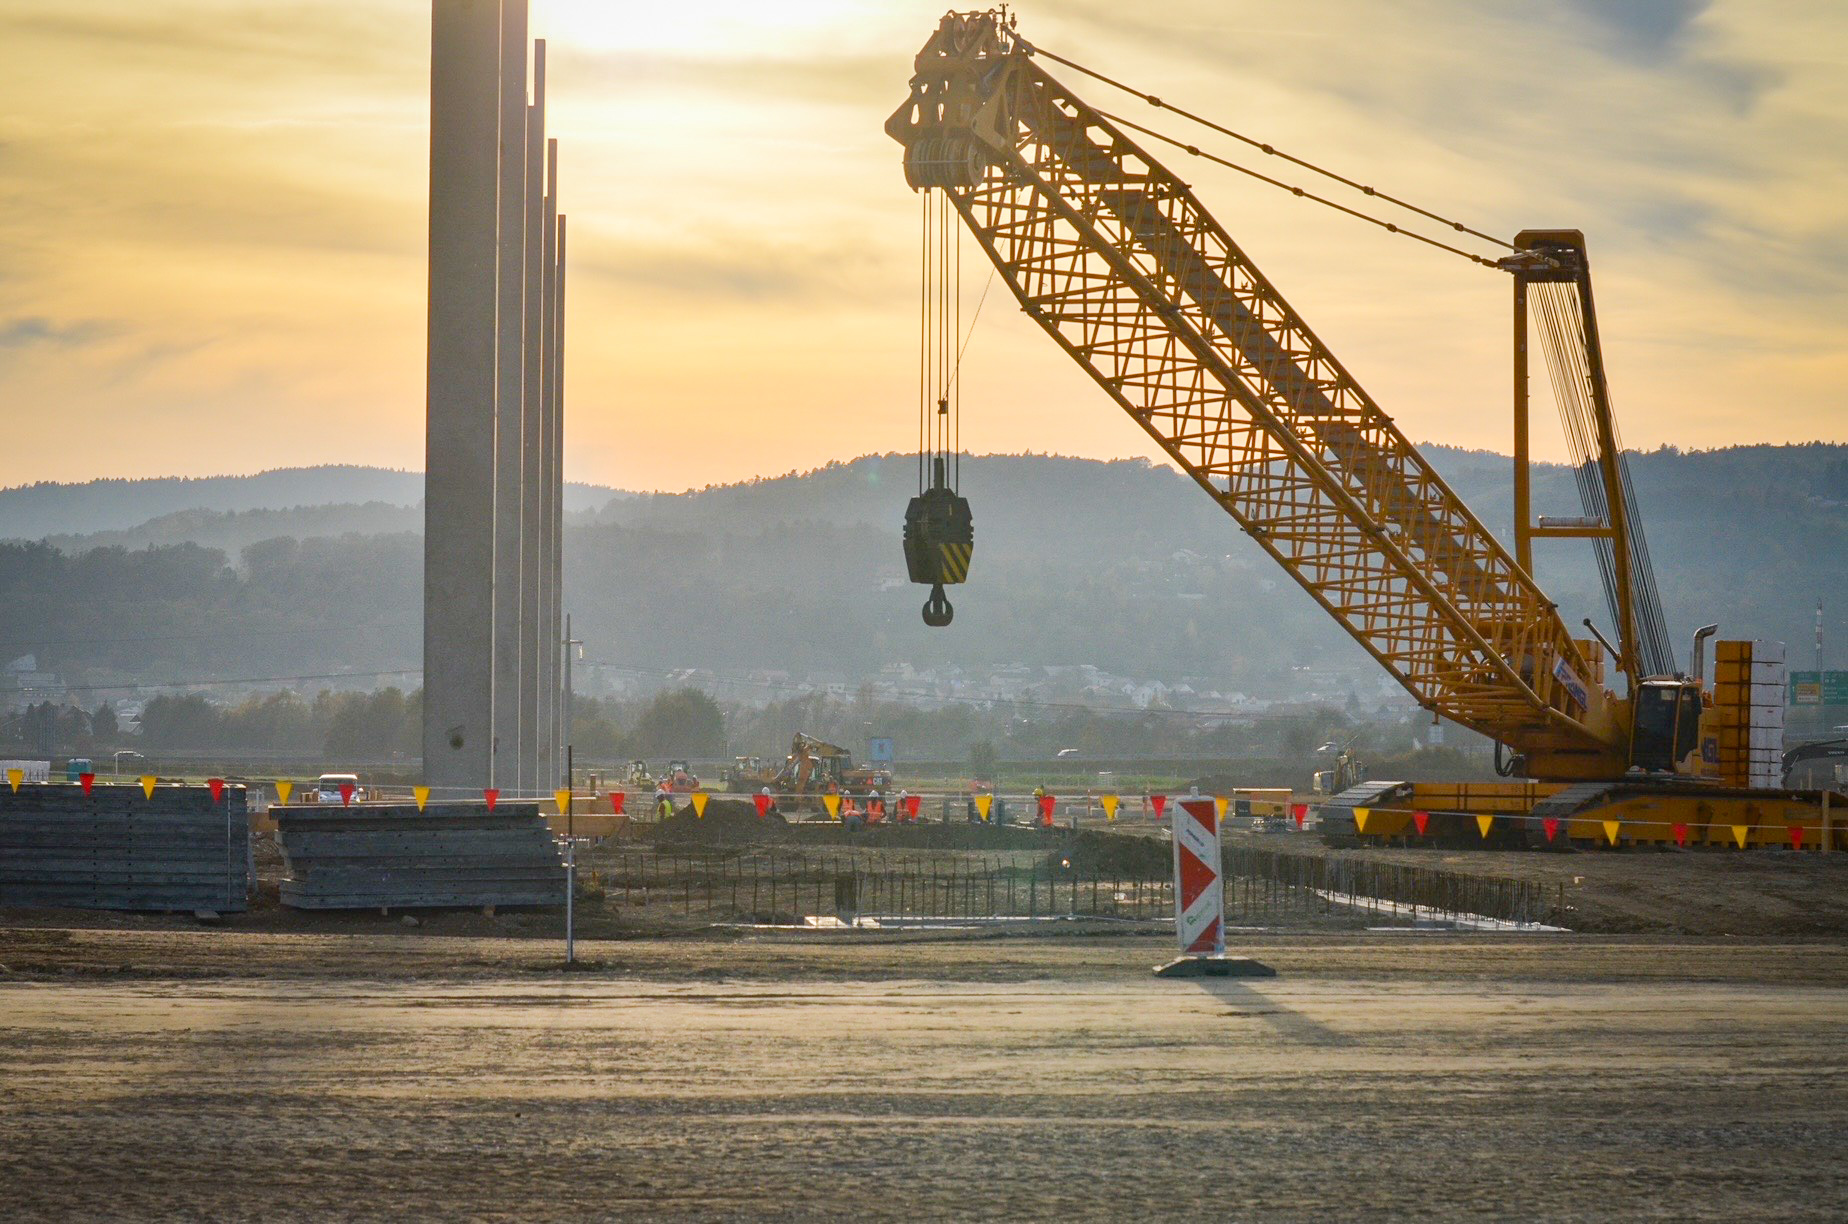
(1119, 263)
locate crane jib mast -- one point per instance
(1116, 259)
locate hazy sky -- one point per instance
(212, 221)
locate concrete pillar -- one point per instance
(459, 432)
(549, 760)
(557, 518)
(509, 408)
(532, 521)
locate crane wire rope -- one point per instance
(1271, 150)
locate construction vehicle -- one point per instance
(815, 767)
(747, 775)
(1343, 772)
(679, 778)
(638, 776)
(1598, 737)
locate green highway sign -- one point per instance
(1829, 688)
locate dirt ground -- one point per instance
(148, 1072)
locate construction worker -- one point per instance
(904, 809)
(664, 803)
(1039, 806)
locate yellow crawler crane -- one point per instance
(1121, 265)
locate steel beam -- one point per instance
(532, 518)
(509, 407)
(548, 477)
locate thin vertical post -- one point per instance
(555, 516)
(1523, 505)
(548, 625)
(532, 489)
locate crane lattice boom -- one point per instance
(1120, 264)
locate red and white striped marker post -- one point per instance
(1200, 899)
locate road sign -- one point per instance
(879, 750)
(1829, 688)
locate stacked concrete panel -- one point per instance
(116, 848)
(1749, 688)
(392, 856)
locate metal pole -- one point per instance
(555, 354)
(550, 745)
(1523, 507)
(570, 867)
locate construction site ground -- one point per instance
(148, 1072)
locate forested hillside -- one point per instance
(1122, 565)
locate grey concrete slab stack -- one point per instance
(117, 849)
(391, 856)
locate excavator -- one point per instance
(812, 768)
(1600, 739)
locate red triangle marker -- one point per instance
(217, 787)
(346, 794)
(1196, 877)
(1551, 825)
(1796, 837)
(491, 794)
(87, 779)
(1158, 802)
(1681, 834)
(616, 802)
(1422, 820)
(1301, 812)
(763, 803)
(912, 804)
(1045, 805)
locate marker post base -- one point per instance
(1215, 966)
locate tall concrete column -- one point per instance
(557, 558)
(509, 409)
(532, 520)
(460, 430)
(550, 759)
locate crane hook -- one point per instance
(937, 609)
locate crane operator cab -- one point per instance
(1666, 726)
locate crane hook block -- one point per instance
(939, 538)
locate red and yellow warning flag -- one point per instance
(562, 797)
(147, 784)
(1796, 837)
(1740, 833)
(1360, 819)
(763, 804)
(617, 799)
(422, 795)
(284, 789)
(1301, 812)
(1158, 803)
(1421, 821)
(833, 804)
(1109, 804)
(913, 805)
(215, 785)
(491, 794)
(1220, 804)
(14, 777)
(1679, 830)
(87, 780)
(1611, 828)
(1046, 803)
(1483, 823)
(982, 804)
(699, 804)
(1551, 825)
(346, 795)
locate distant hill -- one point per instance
(1124, 565)
(35, 511)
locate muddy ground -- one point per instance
(208, 1073)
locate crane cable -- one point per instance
(1156, 102)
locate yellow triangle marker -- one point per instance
(1109, 804)
(1740, 832)
(14, 777)
(562, 796)
(1220, 805)
(147, 784)
(833, 804)
(982, 804)
(1483, 823)
(1360, 819)
(283, 791)
(699, 804)
(422, 795)
(1610, 830)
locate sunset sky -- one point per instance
(212, 221)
